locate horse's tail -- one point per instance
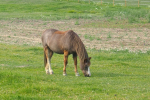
(45, 60)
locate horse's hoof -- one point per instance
(47, 72)
(77, 74)
(64, 74)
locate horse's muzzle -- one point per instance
(87, 75)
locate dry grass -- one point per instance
(28, 32)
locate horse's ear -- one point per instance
(89, 58)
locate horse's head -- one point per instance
(85, 67)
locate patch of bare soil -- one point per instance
(23, 32)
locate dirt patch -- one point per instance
(28, 32)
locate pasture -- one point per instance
(117, 39)
(115, 75)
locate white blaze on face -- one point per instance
(89, 71)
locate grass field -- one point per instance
(115, 75)
(128, 2)
(104, 29)
(49, 10)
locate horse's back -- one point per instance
(53, 34)
(58, 41)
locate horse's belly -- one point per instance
(56, 49)
(57, 45)
(60, 49)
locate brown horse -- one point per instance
(66, 43)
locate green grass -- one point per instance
(63, 10)
(44, 10)
(128, 3)
(115, 75)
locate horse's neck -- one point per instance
(79, 47)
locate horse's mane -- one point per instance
(78, 44)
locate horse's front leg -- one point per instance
(65, 62)
(75, 64)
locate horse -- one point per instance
(65, 42)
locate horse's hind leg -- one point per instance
(65, 62)
(75, 63)
(48, 54)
